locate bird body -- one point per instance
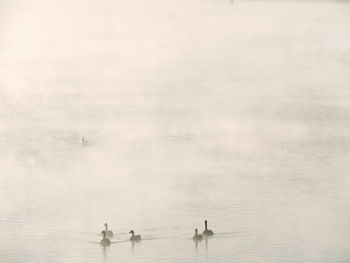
(207, 232)
(105, 241)
(107, 232)
(134, 237)
(197, 237)
(84, 142)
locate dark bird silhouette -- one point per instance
(134, 237)
(197, 237)
(108, 233)
(105, 242)
(207, 232)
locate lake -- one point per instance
(236, 113)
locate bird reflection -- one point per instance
(133, 242)
(104, 250)
(196, 245)
(132, 246)
(206, 247)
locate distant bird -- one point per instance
(197, 237)
(207, 232)
(105, 241)
(84, 142)
(134, 237)
(108, 233)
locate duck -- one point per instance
(197, 237)
(207, 232)
(105, 241)
(84, 142)
(108, 233)
(134, 237)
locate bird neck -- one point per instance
(206, 225)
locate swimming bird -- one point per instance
(207, 232)
(197, 237)
(108, 233)
(105, 241)
(84, 142)
(134, 237)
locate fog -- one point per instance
(235, 112)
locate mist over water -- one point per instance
(200, 109)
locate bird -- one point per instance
(105, 242)
(134, 237)
(108, 233)
(197, 237)
(84, 142)
(207, 232)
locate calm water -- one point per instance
(200, 109)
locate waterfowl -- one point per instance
(105, 241)
(134, 237)
(197, 237)
(207, 232)
(84, 142)
(108, 233)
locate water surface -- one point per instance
(200, 109)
